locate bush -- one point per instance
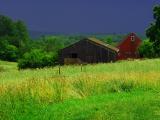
(37, 59)
(146, 49)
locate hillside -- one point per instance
(125, 90)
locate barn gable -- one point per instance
(88, 50)
(128, 48)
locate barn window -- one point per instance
(132, 38)
(74, 55)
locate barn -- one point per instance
(88, 50)
(128, 48)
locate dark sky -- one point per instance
(81, 16)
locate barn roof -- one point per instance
(100, 43)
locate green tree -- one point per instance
(153, 32)
(108, 39)
(7, 26)
(52, 43)
(7, 51)
(22, 37)
(146, 49)
(13, 36)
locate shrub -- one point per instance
(37, 59)
(146, 49)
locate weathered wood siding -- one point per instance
(87, 52)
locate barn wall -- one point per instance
(88, 52)
(129, 49)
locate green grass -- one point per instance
(122, 106)
(125, 106)
(127, 90)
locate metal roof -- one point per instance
(98, 42)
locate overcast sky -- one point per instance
(81, 16)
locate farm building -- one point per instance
(88, 50)
(128, 48)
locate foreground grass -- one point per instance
(124, 90)
(125, 106)
(113, 106)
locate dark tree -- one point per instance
(22, 37)
(146, 49)
(7, 26)
(153, 32)
(7, 51)
(13, 38)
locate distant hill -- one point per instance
(37, 34)
(116, 36)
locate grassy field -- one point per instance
(127, 90)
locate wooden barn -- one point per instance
(88, 50)
(128, 48)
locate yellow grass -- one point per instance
(45, 85)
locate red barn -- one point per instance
(128, 48)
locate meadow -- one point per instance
(125, 90)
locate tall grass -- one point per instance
(22, 92)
